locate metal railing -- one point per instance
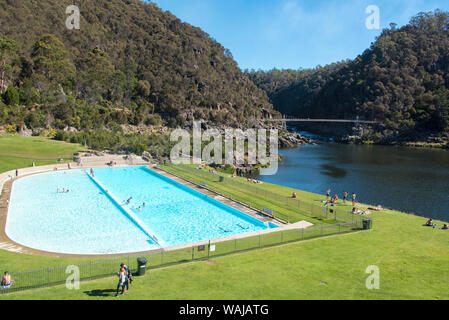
(49, 277)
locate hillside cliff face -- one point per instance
(401, 81)
(129, 64)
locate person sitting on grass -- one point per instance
(294, 196)
(430, 223)
(6, 280)
(445, 227)
(355, 210)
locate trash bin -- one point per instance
(141, 266)
(367, 224)
(221, 179)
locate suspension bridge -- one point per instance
(293, 119)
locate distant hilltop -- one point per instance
(402, 81)
(126, 63)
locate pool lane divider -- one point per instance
(131, 215)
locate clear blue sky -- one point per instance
(263, 34)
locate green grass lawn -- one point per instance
(412, 260)
(21, 152)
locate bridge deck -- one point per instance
(324, 120)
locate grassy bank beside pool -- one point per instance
(412, 259)
(20, 152)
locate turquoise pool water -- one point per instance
(94, 218)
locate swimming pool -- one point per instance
(95, 218)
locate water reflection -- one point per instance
(407, 179)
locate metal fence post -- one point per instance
(208, 251)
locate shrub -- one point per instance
(11, 128)
(11, 96)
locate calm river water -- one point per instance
(407, 179)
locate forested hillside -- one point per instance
(402, 81)
(130, 64)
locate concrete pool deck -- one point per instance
(8, 178)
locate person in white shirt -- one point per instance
(121, 283)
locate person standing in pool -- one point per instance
(92, 172)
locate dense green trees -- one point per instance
(8, 52)
(130, 63)
(402, 80)
(11, 96)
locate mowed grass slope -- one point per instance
(412, 260)
(20, 152)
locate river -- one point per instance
(407, 179)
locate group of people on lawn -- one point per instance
(430, 223)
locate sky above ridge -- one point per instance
(266, 34)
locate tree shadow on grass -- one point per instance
(100, 293)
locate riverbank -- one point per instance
(363, 135)
(413, 180)
(412, 260)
